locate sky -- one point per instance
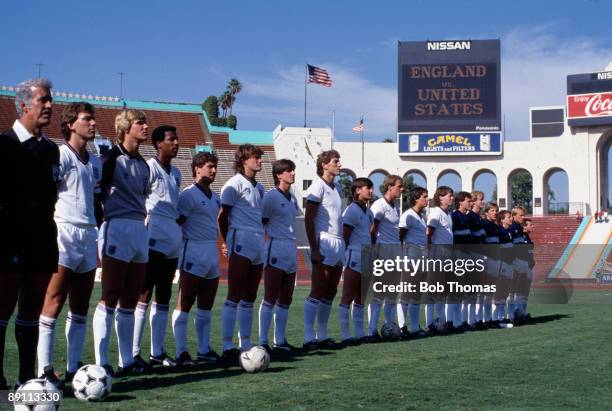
(187, 50)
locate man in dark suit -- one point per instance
(28, 237)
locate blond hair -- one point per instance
(124, 120)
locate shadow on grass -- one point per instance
(193, 374)
(547, 318)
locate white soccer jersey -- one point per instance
(388, 216)
(280, 211)
(79, 181)
(329, 213)
(245, 200)
(442, 224)
(201, 212)
(415, 226)
(163, 198)
(360, 219)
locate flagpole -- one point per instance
(305, 91)
(362, 146)
(333, 127)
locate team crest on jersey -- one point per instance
(203, 202)
(238, 248)
(112, 249)
(273, 260)
(282, 204)
(247, 190)
(353, 263)
(188, 266)
(152, 242)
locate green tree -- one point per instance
(522, 191)
(409, 185)
(345, 180)
(225, 101)
(387, 140)
(234, 87)
(211, 107)
(232, 121)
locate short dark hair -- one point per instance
(324, 158)
(243, 153)
(280, 166)
(415, 194)
(501, 215)
(71, 113)
(159, 134)
(202, 158)
(490, 206)
(358, 183)
(390, 181)
(461, 196)
(441, 192)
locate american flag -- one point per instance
(319, 76)
(359, 127)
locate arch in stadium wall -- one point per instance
(377, 176)
(348, 173)
(555, 196)
(418, 177)
(604, 170)
(451, 178)
(485, 180)
(520, 190)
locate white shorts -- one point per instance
(77, 247)
(331, 249)
(281, 253)
(246, 244)
(125, 240)
(200, 258)
(165, 236)
(352, 257)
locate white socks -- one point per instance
(102, 325)
(158, 321)
(281, 315)
(245, 324)
(46, 342)
(140, 315)
(311, 306)
(202, 326)
(373, 315)
(124, 327)
(228, 322)
(179, 328)
(76, 328)
(266, 311)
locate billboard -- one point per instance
(449, 87)
(589, 99)
(434, 144)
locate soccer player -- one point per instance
(123, 241)
(199, 265)
(493, 263)
(458, 306)
(525, 284)
(241, 227)
(279, 211)
(440, 234)
(323, 223)
(478, 237)
(79, 175)
(413, 233)
(506, 272)
(522, 271)
(356, 222)
(385, 230)
(28, 250)
(164, 245)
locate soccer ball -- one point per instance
(390, 331)
(91, 383)
(43, 396)
(255, 360)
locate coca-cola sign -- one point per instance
(589, 105)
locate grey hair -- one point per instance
(23, 92)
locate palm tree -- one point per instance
(234, 87)
(225, 101)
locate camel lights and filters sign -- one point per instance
(449, 98)
(589, 99)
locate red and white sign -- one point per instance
(589, 105)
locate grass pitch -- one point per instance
(562, 361)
